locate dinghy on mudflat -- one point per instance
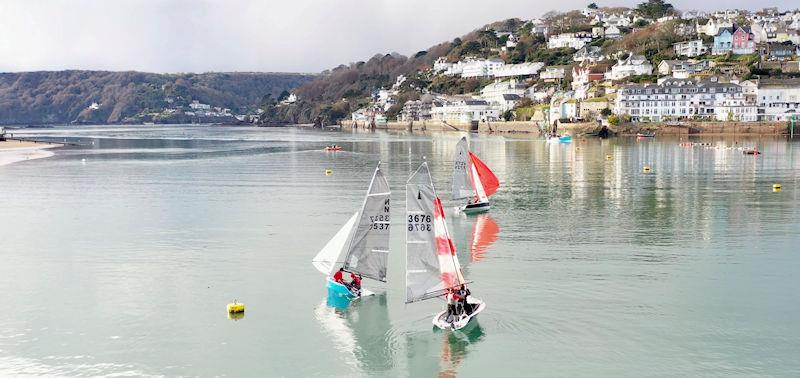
(361, 246)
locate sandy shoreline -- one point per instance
(12, 151)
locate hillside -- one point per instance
(131, 97)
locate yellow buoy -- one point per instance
(646, 169)
(235, 307)
(235, 315)
(776, 188)
(609, 157)
(328, 172)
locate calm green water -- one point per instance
(119, 257)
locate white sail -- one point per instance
(423, 275)
(461, 181)
(328, 257)
(368, 251)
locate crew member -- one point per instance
(337, 277)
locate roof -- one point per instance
(511, 97)
(475, 102)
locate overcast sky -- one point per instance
(248, 35)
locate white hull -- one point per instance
(475, 208)
(440, 320)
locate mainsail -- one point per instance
(431, 263)
(369, 248)
(462, 187)
(327, 258)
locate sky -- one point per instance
(249, 35)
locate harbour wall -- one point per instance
(589, 128)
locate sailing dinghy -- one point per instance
(361, 246)
(432, 266)
(472, 180)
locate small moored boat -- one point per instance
(333, 148)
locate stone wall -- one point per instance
(690, 128)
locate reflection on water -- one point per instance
(456, 345)
(484, 233)
(359, 330)
(124, 263)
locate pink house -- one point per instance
(743, 41)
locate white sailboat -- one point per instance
(432, 266)
(361, 246)
(472, 180)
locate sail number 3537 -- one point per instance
(419, 222)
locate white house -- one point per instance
(501, 93)
(778, 100)
(464, 111)
(197, 105)
(633, 65)
(480, 67)
(520, 69)
(553, 73)
(571, 40)
(685, 99)
(690, 48)
(617, 20)
(441, 64)
(591, 54)
(712, 27)
(613, 32)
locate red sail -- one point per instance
(488, 179)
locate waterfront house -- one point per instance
(778, 100)
(690, 48)
(633, 65)
(496, 93)
(461, 110)
(685, 99)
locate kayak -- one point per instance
(337, 148)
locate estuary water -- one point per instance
(118, 256)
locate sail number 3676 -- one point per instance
(419, 222)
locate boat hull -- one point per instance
(338, 290)
(441, 321)
(475, 208)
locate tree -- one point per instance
(606, 112)
(654, 9)
(284, 95)
(613, 119)
(593, 6)
(508, 115)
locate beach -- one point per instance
(12, 151)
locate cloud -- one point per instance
(240, 35)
